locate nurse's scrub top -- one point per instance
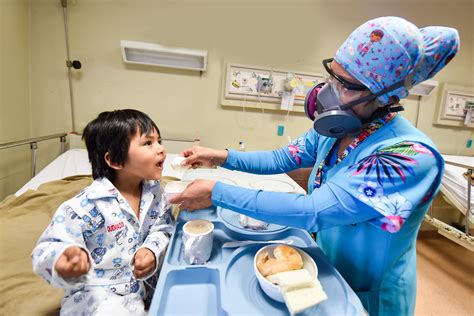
(366, 204)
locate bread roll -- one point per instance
(285, 259)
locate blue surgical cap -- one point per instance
(387, 50)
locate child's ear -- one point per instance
(112, 164)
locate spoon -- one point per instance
(240, 243)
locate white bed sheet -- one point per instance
(70, 163)
(454, 184)
(76, 162)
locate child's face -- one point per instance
(145, 157)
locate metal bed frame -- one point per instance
(33, 142)
(462, 238)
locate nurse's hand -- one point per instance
(198, 156)
(196, 196)
(72, 263)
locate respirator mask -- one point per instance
(329, 105)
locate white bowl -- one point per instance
(272, 290)
(173, 188)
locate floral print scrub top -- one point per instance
(366, 207)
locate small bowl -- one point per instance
(173, 188)
(272, 290)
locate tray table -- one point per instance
(227, 285)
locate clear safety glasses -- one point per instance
(345, 90)
(345, 95)
(348, 85)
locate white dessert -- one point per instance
(300, 290)
(301, 299)
(292, 280)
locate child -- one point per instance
(105, 242)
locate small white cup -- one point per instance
(173, 188)
(252, 223)
(197, 241)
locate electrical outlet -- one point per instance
(281, 130)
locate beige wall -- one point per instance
(15, 111)
(294, 35)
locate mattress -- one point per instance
(454, 183)
(70, 163)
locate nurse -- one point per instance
(374, 174)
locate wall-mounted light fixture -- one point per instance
(424, 88)
(162, 56)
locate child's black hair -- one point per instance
(111, 132)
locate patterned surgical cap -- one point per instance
(388, 50)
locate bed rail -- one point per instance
(33, 142)
(452, 233)
(462, 238)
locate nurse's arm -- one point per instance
(326, 207)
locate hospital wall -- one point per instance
(15, 111)
(291, 35)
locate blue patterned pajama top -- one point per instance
(100, 221)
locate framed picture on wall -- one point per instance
(456, 107)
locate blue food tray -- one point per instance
(227, 285)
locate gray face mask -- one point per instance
(332, 117)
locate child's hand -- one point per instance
(144, 263)
(73, 263)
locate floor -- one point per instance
(445, 278)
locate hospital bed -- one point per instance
(457, 189)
